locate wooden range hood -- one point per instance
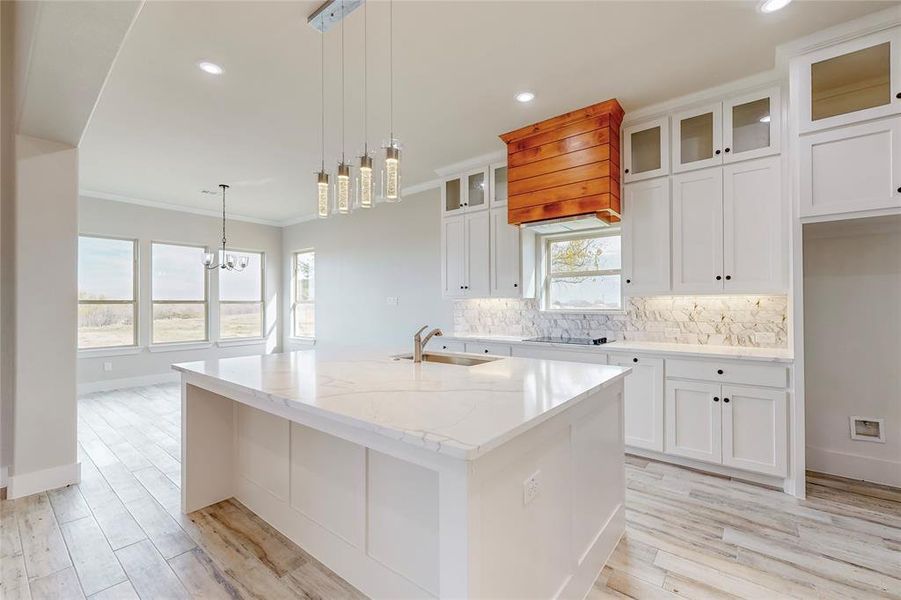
(566, 166)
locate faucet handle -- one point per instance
(419, 333)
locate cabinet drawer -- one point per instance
(479, 348)
(598, 358)
(728, 372)
(439, 345)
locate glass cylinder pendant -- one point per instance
(322, 186)
(391, 180)
(342, 192)
(364, 182)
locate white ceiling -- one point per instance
(163, 130)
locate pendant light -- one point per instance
(364, 177)
(322, 177)
(226, 261)
(391, 179)
(342, 191)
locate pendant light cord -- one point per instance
(365, 88)
(223, 219)
(391, 71)
(322, 90)
(343, 18)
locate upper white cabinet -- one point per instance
(465, 253)
(849, 82)
(466, 193)
(646, 150)
(453, 257)
(729, 229)
(646, 237)
(850, 169)
(698, 231)
(739, 128)
(755, 227)
(505, 256)
(697, 137)
(498, 184)
(752, 125)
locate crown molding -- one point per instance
(175, 207)
(421, 187)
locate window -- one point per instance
(178, 292)
(303, 307)
(241, 299)
(583, 272)
(107, 311)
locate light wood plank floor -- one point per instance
(119, 534)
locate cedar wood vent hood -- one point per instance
(563, 173)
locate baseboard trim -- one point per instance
(126, 382)
(4, 472)
(26, 484)
(854, 466)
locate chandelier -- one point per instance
(228, 261)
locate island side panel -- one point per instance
(554, 544)
(207, 448)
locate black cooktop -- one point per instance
(569, 340)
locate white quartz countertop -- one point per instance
(455, 410)
(696, 350)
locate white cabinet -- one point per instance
(465, 255)
(739, 128)
(693, 420)
(539, 350)
(505, 256)
(646, 150)
(729, 229)
(755, 248)
(849, 82)
(438, 344)
(754, 429)
(643, 401)
(697, 137)
(851, 169)
(498, 184)
(465, 193)
(698, 231)
(488, 348)
(646, 237)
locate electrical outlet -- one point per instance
(531, 487)
(107, 366)
(391, 300)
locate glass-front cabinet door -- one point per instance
(498, 184)
(752, 125)
(646, 150)
(850, 82)
(476, 189)
(697, 137)
(452, 196)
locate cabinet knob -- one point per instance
(515, 285)
(628, 281)
(726, 400)
(728, 277)
(634, 360)
(716, 399)
(718, 277)
(899, 190)
(717, 152)
(486, 350)
(466, 287)
(461, 287)
(728, 149)
(898, 95)
(719, 371)
(627, 170)
(444, 347)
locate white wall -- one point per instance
(105, 217)
(392, 250)
(7, 249)
(44, 404)
(852, 340)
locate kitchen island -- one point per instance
(498, 478)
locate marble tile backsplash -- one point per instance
(758, 321)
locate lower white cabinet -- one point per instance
(646, 237)
(693, 420)
(850, 169)
(737, 426)
(439, 345)
(754, 429)
(643, 400)
(505, 256)
(487, 348)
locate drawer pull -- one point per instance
(719, 371)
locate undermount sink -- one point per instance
(449, 359)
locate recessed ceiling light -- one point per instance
(765, 119)
(525, 96)
(768, 6)
(211, 68)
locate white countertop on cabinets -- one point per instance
(454, 410)
(781, 355)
